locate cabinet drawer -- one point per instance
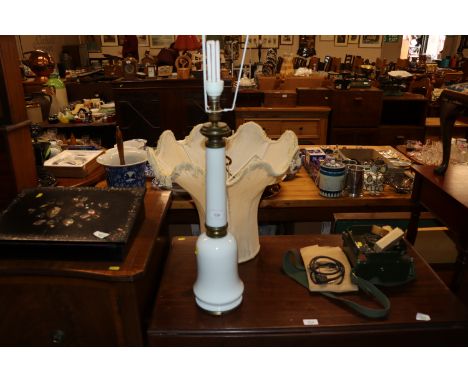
(271, 126)
(304, 127)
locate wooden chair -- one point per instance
(336, 64)
(421, 86)
(380, 64)
(402, 64)
(314, 63)
(327, 61)
(348, 62)
(299, 62)
(357, 62)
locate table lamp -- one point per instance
(218, 288)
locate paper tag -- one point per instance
(310, 321)
(100, 235)
(422, 317)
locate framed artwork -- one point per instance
(161, 41)
(307, 41)
(370, 41)
(253, 41)
(286, 39)
(391, 38)
(121, 40)
(326, 38)
(231, 46)
(143, 40)
(151, 71)
(353, 39)
(270, 41)
(109, 40)
(341, 40)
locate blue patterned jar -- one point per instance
(129, 175)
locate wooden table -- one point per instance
(446, 196)
(84, 302)
(300, 201)
(274, 307)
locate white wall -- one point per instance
(51, 44)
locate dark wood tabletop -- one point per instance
(274, 307)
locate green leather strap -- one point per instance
(294, 268)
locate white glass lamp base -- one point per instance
(218, 288)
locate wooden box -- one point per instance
(73, 163)
(71, 222)
(283, 98)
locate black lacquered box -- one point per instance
(71, 223)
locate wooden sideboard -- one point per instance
(355, 116)
(67, 301)
(309, 123)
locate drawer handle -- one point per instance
(358, 99)
(58, 336)
(301, 128)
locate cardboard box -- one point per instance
(73, 163)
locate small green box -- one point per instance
(390, 267)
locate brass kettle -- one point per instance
(41, 63)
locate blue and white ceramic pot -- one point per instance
(129, 175)
(332, 178)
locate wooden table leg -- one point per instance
(412, 229)
(460, 264)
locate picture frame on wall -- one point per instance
(143, 40)
(109, 40)
(341, 40)
(161, 41)
(286, 39)
(270, 41)
(326, 38)
(391, 38)
(253, 41)
(370, 41)
(353, 39)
